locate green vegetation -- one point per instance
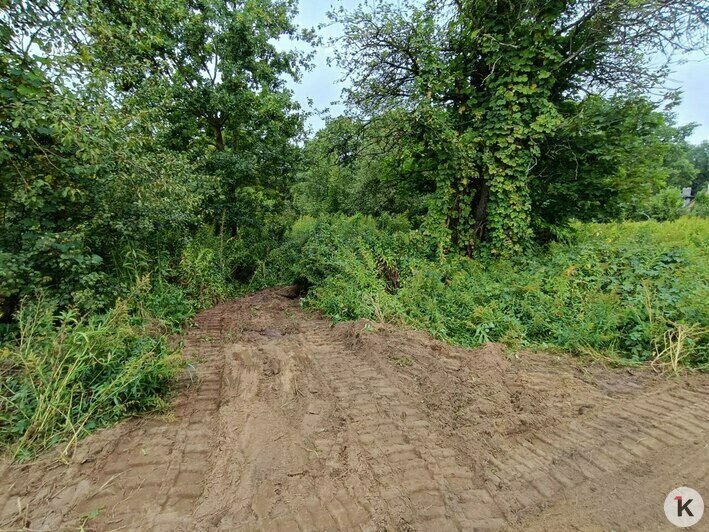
(482, 186)
(494, 92)
(624, 291)
(69, 374)
(146, 153)
(699, 157)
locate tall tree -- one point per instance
(206, 77)
(486, 80)
(81, 183)
(605, 161)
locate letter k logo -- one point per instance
(683, 507)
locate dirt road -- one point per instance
(288, 423)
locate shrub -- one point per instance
(84, 187)
(204, 269)
(700, 206)
(168, 303)
(615, 289)
(666, 205)
(66, 375)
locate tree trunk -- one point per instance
(468, 232)
(480, 203)
(219, 137)
(508, 210)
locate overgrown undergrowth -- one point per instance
(66, 375)
(626, 292)
(65, 371)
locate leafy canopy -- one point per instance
(486, 81)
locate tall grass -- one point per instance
(67, 374)
(64, 373)
(629, 292)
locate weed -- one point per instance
(404, 362)
(67, 374)
(676, 345)
(89, 517)
(623, 292)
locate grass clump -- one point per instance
(66, 374)
(628, 292)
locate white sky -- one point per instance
(322, 87)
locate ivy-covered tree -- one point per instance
(486, 80)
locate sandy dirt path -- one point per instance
(286, 422)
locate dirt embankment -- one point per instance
(285, 422)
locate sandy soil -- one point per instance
(285, 422)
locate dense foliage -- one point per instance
(490, 83)
(71, 374)
(613, 158)
(624, 291)
(125, 128)
(699, 156)
(146, 156)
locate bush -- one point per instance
(84, 188)
(621, 290)
(700, 206)
(66, 375)
(66, 371)
(666, 205)
(166, 302)
(204, 270)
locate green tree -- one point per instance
(80, 186)
(352, 167)
(126, 126)
(699, 156)
(210, 73)
(605, 161)
(485, 80)
(84, 186)
(666, 205)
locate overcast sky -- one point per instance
(322, 87)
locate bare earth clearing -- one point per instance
(289, 423)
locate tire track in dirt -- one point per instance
(422, 483)
(544, 466)
(160, 474)
(419, 482)
(291, 423)
(270, 475)
(146, 476)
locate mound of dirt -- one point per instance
(286, 422)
